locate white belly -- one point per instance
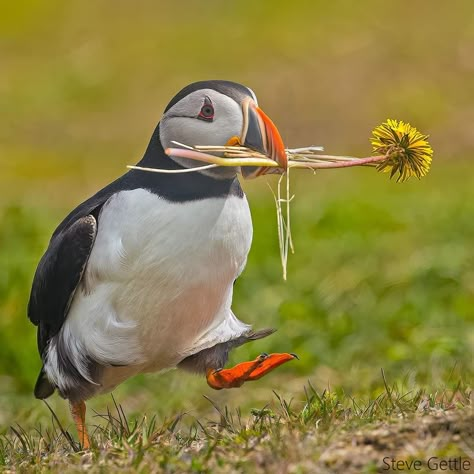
(158, 284)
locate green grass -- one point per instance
(382, 277)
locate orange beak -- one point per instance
(260, 134)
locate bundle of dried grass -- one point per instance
(398, 148)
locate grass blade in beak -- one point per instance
(181, 171)
(217, 160)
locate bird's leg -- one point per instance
(78, 412)
(246, 371)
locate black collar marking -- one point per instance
(172, 187)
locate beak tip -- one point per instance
(275, 143)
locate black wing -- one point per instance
(58, 275)
(60, 271)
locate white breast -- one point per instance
(158, 284)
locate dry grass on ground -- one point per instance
(329, 433)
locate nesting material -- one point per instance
(399, 149)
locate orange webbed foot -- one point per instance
(246, 371)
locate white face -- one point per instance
(204, 117)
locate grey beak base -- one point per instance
(253, 138)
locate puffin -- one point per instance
(139, 277)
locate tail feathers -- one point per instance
(43, 387)
(249, 336)
(260, 334)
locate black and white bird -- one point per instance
(139, 277)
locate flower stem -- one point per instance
(340, 164)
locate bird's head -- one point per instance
(220, 113)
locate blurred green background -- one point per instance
(383, 274)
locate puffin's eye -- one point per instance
(207, 111)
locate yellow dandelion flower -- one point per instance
(407, 150)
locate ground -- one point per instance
(328, 434)
(382, 277)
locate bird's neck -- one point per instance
(183, 186)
